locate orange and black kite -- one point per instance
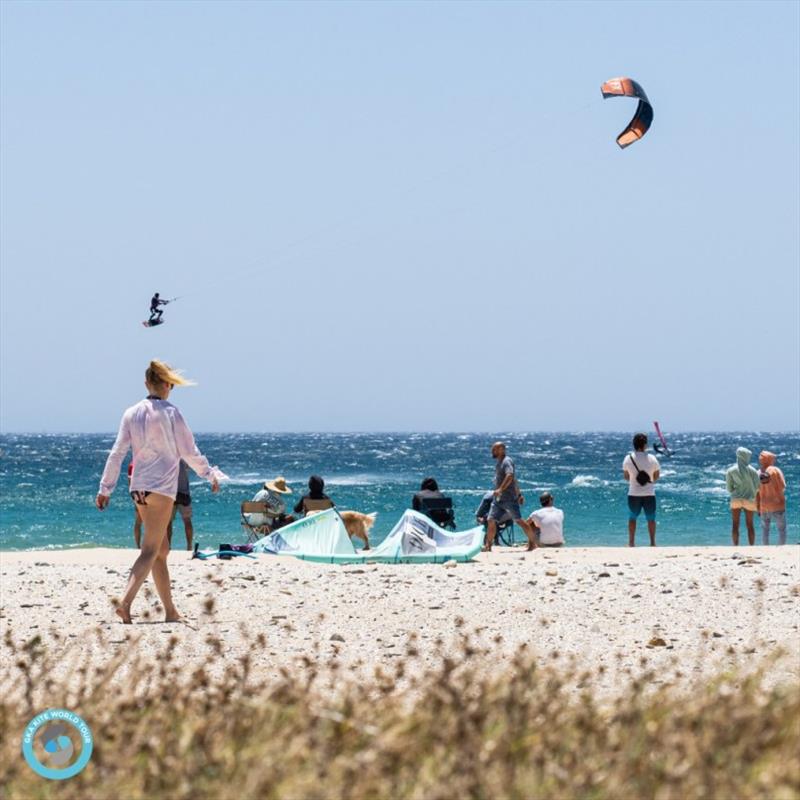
(640, 124)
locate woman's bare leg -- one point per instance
(751, 531)
(137, 528)
(736, 514)
(161, 580)
(155, 516)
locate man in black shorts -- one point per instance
(183, 506)
(155, 311)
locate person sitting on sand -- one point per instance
(548, 522)
(159, 437)
(507, 499)
(315, 499)
(272, 494)
(771, 498)
(743, 484)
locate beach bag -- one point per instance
(642, 478)
(226, 551)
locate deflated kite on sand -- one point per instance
(414, 539)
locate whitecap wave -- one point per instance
(585, 480)
(65, 546)
(249, 479)
(666, 486)
(357, 480)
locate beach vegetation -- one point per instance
(519, 727)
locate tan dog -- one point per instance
(358, 525)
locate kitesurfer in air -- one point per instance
(155, 311)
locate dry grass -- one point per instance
(528, 730)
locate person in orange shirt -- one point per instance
(771, 498)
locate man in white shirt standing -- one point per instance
(548, 522)
(641, 470)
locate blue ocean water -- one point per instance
(48, 482)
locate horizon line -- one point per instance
(365, 432)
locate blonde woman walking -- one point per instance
(160, 438)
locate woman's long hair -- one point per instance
(159, 373)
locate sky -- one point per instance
(401, 216)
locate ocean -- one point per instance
(48, 482)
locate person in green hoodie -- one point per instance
(743, 484)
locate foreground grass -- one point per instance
(453, 731)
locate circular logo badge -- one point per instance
(57, 744)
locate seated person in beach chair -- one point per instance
(434, 505)
(315, 500)
(505, 527)
(273, 515)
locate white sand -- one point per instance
(602, 605)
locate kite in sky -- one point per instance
(642, 119)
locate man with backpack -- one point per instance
(641, 470)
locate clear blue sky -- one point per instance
(398, 216)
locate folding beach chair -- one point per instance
(505, 533)
(440, 510)
(254, 532)
(313, 506)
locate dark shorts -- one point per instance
(140, 498)
(183, 505)
(504, 510)
(638, 504)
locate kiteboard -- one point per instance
(152, 323)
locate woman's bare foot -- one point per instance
(124, 614)
(173, 616)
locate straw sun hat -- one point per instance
(278, 485)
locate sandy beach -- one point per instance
(687, 612)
